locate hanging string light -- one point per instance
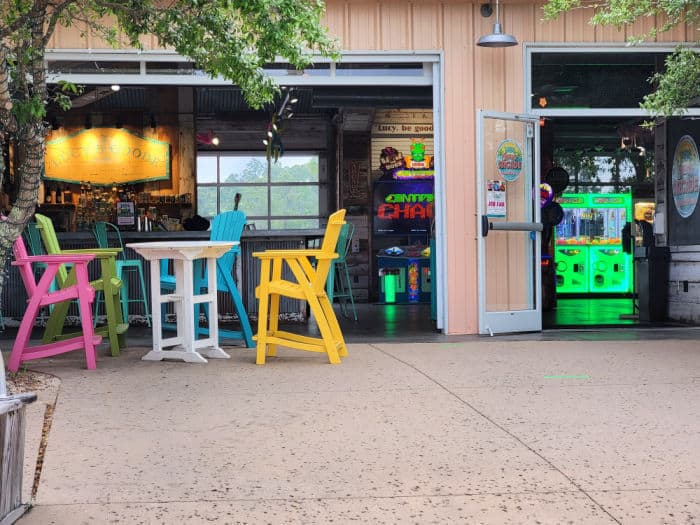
(273, 141)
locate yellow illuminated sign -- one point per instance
(103, 156)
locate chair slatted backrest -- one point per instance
(328, 249)
(32, 237)
(26, 271)
(344, 240)
(103, 231)
(227, 226)
(50, 241)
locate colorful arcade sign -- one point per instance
(403, 207)
(509, 159)
(685, 176)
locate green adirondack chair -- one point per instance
(107, 283)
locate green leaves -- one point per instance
(234, 38)
(679, 87)
(29, 110)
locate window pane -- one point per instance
(206, 169)
(253, 199)
(294, 200)
(412, 70)
(295, 168)
(206, 201)
(294, 224)
(257, 224)
(243, 168)
(593, 80)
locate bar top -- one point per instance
(180, 249)
(133, 236)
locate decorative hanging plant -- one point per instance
(273, 142)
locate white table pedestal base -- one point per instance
(187, 356)
(184, 346)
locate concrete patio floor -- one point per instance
(597, 430)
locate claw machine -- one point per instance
(611, 269)
(572, 237)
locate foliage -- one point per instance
(678, 87)
(603, 171)
(233, 39)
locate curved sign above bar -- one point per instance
(105, 156)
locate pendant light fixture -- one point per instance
(498, 38)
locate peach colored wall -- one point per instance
(475, 78)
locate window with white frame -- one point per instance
(285, 194)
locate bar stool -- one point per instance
(40, 295)
(307, 283)
(339, 285)
(101, 231)
(107, 283)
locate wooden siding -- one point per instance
(475, 78)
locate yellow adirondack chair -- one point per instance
(107, 283)
(309, 268)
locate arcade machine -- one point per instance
(403, 211)
(611, 266)
(571, 245)
(588, 254)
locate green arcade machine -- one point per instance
(571, 245)
(588, 244)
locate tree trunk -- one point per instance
(28, 169)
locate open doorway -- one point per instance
(372, 153)
(342, 114)
(601, 170)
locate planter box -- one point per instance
(12, 424)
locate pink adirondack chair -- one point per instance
(39, 296)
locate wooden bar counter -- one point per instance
(248, 268)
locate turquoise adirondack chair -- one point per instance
(227, 226)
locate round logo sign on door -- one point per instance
(509, 159)
(685, 176)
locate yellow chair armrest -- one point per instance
(294, 254)
(98, 252)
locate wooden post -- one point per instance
(12, 424)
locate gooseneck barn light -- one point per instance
(498, 38)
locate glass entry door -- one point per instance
(509, 228)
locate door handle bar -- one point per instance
(486, 225)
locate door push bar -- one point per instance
(509, 226)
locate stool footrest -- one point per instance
(301, 342)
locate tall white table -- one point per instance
(184, 253)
